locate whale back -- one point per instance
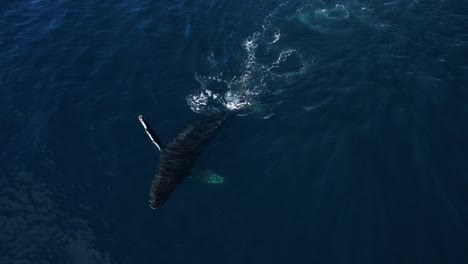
(177, 158)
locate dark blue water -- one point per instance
(350, 145)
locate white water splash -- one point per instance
(255, 79)
(268, 65)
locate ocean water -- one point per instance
(349, 143)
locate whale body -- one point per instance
(177, 158)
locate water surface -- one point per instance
(351, 145)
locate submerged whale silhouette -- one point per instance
(177, 158)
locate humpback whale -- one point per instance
(177, 157)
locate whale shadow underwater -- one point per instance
(177, 157)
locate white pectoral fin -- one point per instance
(149, 131)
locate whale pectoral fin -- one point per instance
(149, 131)
(206, 176)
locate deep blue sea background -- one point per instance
(350, 145)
